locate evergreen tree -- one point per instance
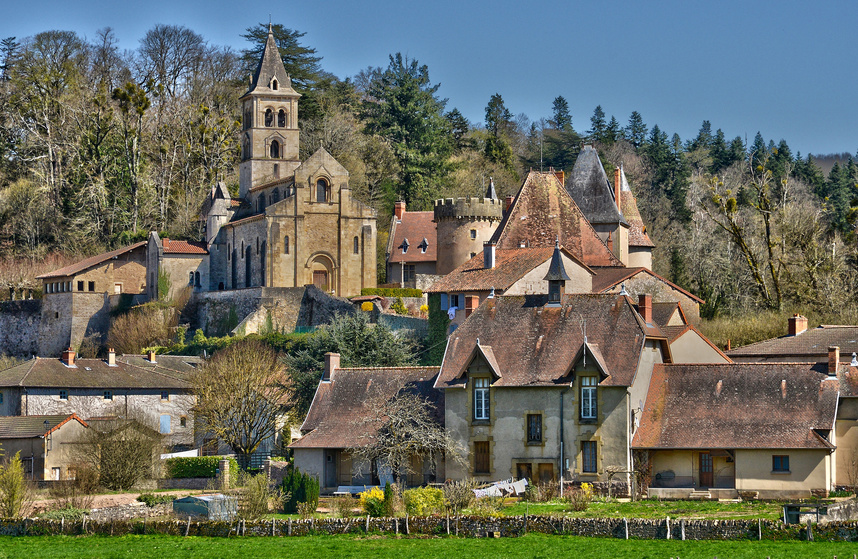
(300, 61)
(459, 127)
(613, 131)
(499, 124)
(636, 130)
(498, 117)
(561, 118)
(597, 124)
(704, 138)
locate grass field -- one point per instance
(657, 509)
(57, 547)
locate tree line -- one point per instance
(99, 146)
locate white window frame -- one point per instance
(482, 406)
(589, 398)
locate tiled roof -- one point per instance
(673, 333)
(589, 187)
(31, 426)
(414, 226)
(536, 345)
(737, 405)
(510, 266)
(131, 371)
(340, 410)
(815, 341)
(629, 206)
(848, 377)
(543, 212)
(184, 247)
(662, 313)
(285, 181)
(609, 277)
(86, 263)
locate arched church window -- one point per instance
(260, 203)
(357, 245)
(275, 196)
(281, 118)
(275, 149)
(286, 244)
(197, 279)
(245, 147)
(274, 85)
(321, 190)
(269, 117)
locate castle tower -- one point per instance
(463, 225)
(269, 130)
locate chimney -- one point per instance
(797, 324)
(561, 176)
(68, 357)
(645, 307)
(151, 355)
(489, 254)
(833, 360)
(617, 183)
(111, 357)
(332, 362)
(508, 202)
(610, 242)
(399, 209)
(471, 303)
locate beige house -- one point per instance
(185, 263)
(765, 430)
(46, 443)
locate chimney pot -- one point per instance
(151, 356)
(617, 183)
(399, 209)
(833, 360)
(111, 357)
(508, 202)
(332, 362)
(68, 357)
(797, 324)
(645, 307)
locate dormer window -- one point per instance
(424, 245)
(404, 246)
(274, 84)
(281, 118)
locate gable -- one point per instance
(534, 282)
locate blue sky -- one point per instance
(784, 68)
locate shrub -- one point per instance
(372, 502)
(307, 510)
(542, 492)
(399, 307)
(366, 306)
(255, 500)
(144, 326)
(69, 513)
(342, 506)
(424, 309)
(459, 494)
(15, 494)
(488, 506)
(423, 500)
(299, 488)
(391, 292)
(579, 499)
(198, 466)
(151, 499)
(76, 493)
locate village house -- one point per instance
(153, 389)
(46, 443)
(800, 344)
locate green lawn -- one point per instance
(657, 509)
(56, 547)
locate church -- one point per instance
(294, 222)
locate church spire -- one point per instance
(270, 74)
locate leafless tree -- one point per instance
(121, 450)
(240, 396)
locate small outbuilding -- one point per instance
(210, 507)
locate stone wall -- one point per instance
(399, 323)
(19, 327)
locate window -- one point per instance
(408, 273)
(481, 457)
(165, 395)
(274, 85)
(1, 397)
(588, 397)
(423, 245)
(190, 278)
(286, 244)
(780, 463)
(275, 196)
(473, 254)
(276, 172)
(228, 251)
(183, 421)
(588, 457)
(80, 286)
(473, 233)
(534, 428)
(269, 117)
(356, 245)
(404, 246)
(165, 424)
(281, 118)
(64, 394)
(260, 203)
(275, 149)
(321, 190)
(245, 147)
(197, 279)
(481, 399)
(454, 300)
(55, 474)
(108, 395)
(91, 286)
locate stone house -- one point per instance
(800, 344)
(412, 248)
(725, 430)
(46, 443)
(186, 263)
(153, 389)
(340, 418)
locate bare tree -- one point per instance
(240, 396)
(122, 451)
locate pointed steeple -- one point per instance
(270, 74)
(491, 193)
(556, 277)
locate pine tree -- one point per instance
(636, 130)
(561, 119)
(597, 124)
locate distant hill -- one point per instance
(826, 161)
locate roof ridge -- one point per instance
(33, 364)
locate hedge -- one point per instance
(197, 466)
(391, 292)
(299, 488)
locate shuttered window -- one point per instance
(481, 457)
(588, 456)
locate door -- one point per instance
(320, 279)
(546, 473)
(331, 468)
(705, 469)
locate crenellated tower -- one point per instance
(463, 225)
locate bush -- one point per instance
(459, 494)
(579, 499)
(144, 326)
(69, 513)
(342, 506)
(488, 506)
(372, 502)
(15, 494)
(366, 306)
(542, 492)
(307, 510)
(391, 292)
(197, 466)
(399, 307)
(423, 500)
(76, 493)
(255, 500)
(299, 488)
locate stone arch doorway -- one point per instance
(322, 273)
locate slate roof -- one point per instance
(131, 371)
(510, 266)
(414, 226)
(87, 263)
(31, 426)
(271, 65)
(609, 277)
(589, 187)
(183, 247)
(543, 212)
(628, 205)
(339, 412)
(813, 342)
(536, 345)
(737, 405)
(663, 312)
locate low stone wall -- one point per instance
(397, 322)
(466, 526)
(186, 483)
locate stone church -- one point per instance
(295, 222)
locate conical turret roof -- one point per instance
(270, 75)
(629, 206)
(589, 187)
(556, 270)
